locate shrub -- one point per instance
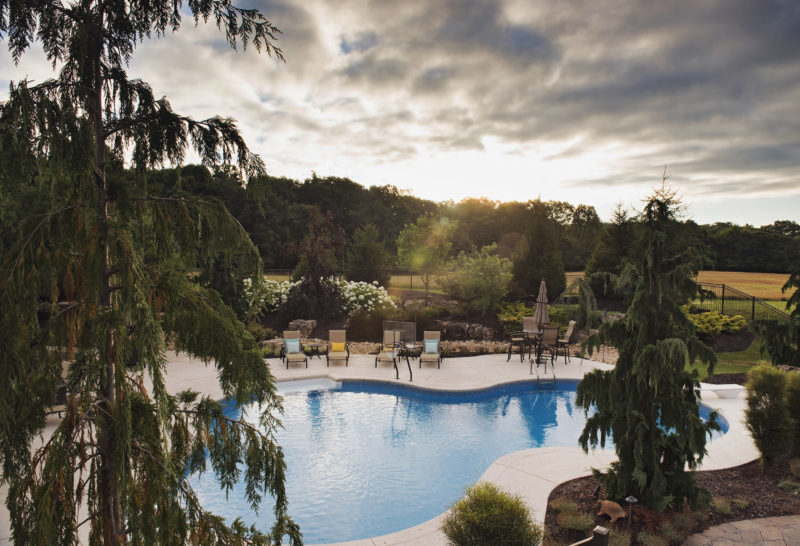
(789, 486)
(710, 324)
(563, 504)
(791, 395)
(682, 522)
(575, 521)
(721, 506)
(360, 296)
(740, 504)
(510, 315)
(259, 332)
(619, 538)
(368, 325)
(646, 539)
(488, 515)
(794, 468)
(767, 417)
(348, 297)
(671, 533)
(479, 280)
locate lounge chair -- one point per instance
(292, 350)
(431, 348)
(389, 348)
(337, 347)
(565, 342)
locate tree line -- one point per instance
(274, 211)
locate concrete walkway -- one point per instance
(778, 531)
(530, 473)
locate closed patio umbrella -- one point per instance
(541, 315)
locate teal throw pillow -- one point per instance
(292, 345)
(431, 346)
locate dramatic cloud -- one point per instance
(584, 101)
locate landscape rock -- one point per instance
(305, 326)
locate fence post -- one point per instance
(753, 314)
(722, 310)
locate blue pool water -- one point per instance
(365, 459)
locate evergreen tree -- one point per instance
(538, 256)
(102, 280)
(319, 253)
(649, 403)
(611, 253)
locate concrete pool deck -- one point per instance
(530, 473)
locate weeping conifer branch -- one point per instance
(649, 403)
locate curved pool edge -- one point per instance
(531, 473)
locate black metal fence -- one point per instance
(727, 300)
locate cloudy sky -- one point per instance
(583, 100)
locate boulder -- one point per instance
(305, 326)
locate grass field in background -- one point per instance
(765, 286)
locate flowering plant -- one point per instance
(356, 296)
(362, 296)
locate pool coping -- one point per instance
(530, 473)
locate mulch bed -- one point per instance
(748, 482)
(728, 343)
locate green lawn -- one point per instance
(735, 362)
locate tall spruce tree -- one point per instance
(649, 403)
(100, 283)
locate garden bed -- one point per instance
(742, 492)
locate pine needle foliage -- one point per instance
(648, 403)
(99, 285)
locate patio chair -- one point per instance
(337, 347)
(532, 333)
(292, 350)
(517, 341)
(431, 348)
(565, 342)
(549, 342)
(389, 348)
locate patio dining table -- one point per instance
(533, 338)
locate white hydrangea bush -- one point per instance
(271, 295)
(356, 296)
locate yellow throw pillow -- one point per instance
(337, 347)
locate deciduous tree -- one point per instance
(424, 247)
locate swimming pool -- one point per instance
(366, 459)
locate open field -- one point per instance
(765, 286)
